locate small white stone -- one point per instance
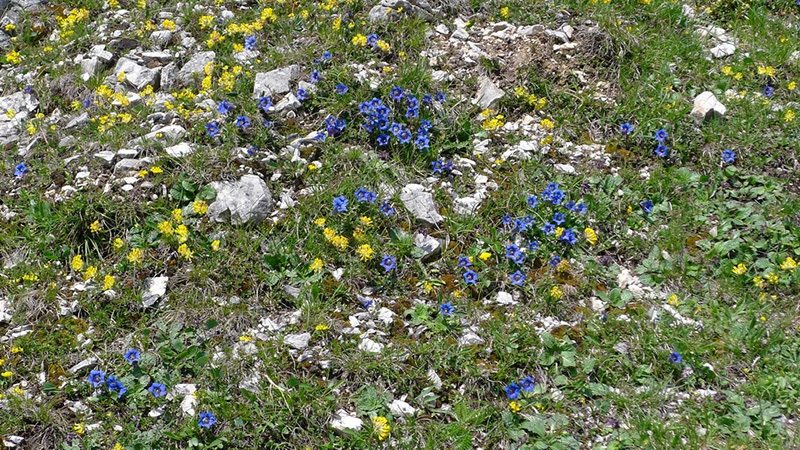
(401, 408)
(370, 346)
(342, 420)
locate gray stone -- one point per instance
(159, 57)
(707, 106)
(195, 65)
(564, 168)
(505, 299)
(469, 338)
(106, 155)
(100, 52)
(83, 365)
(370, 346)
(12, 441)
(420, 8)
(155, 288)
(169, 77)
(90, 67)
(161, 38)
(488, 95)
(420, 204)
(129, 164)
(21, 103)
(127, 153)
(530, 30)
(135, 75)
(460, 34)
(723, 50)
(173, 132)
(400, 408)
(80, 119)
(558, 35)
(180, 150)
(297, 341)
(275, 82)
(288, 103)
(245, 201)
(442, 29)
(5, 312)
(430, 246)
(342, 420)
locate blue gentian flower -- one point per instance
(422, 142)
(340, 204)
(243, 122)
(315, 76)
(386, 209)
(555, 261)
(517, 278)
(388, 263)
(250, 43)
(548, 228)
(557, 197)
(341, 89)
(412, 113)
(96, 377)
(527, 384)
(569, 236)
(265, 103)
(206, 420)
(115, 385)
(647, 206)
(212, 129)
(397, 93)
(512, 391)
(372, 40)
(132, 355)
(675, 357)
(382, 123)
(412, 102)
(383, 140)
(404, 136)
(626, 128)
(427, 99)
(446, 309)
(436, 166)
(728, 156)
(661, 135)
(580, 208)
(376, 103)
(365, 108)
(559, 218)
(301, 95)
(327, 56)
(395, 128)
(533, 246)
(569, 205)
(768, 91)
(506, 220)
(661, 150)
(363, 195)
(224, 107)
(532, 201)
(470, 277)
(157, 389)
(464, 262)
(512, 251)
(87, 102)
(20, 170)
(440, 97)
(425, 125)
(521, 225)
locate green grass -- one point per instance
(604, 378)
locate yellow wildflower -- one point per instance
(118, 243)
(245, 338)
(168, 25)
(320, 222)
(321, 327)
(559, 232)
(77, 263)
(789, 264)
(365, 252)
(118, 446)
(317, 265)
(727, 70)
(177, 215)
(121, 77)
(95, 227)
(7, 374)
(383, 45)
(772, 277)
(304, 14)
(19, 391)
(91, 271)
(739, 269)
(215, 245)
(759, 282)
(108, 282)
(10, 114)
(12, 57)
(165, 228)
(329, 233)
(381, 428)
(337, 24)
(143, 173)
(563, 266)
(766, 70)
(136, 256)
(673, 300)
(359, 39)
(185, 252)
(547, 124)
(31, 128)
(515, 407)
(340, 241)
(504, 12)
(200, 207)
(591, 236)
(359, 235)
(484, 256)
(183, 233)
(30, 277)
(17, 350)
(791, 86)
(79, 428)
(156, 169)
(789, 115)
(556, 292)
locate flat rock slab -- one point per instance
(155, 288)
(488, 95)
(707, 106)
(276, 81)
(195, 66)
(420, 203)
(245, 201)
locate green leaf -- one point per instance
(536, 427)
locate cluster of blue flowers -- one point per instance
(362, 196)
(378, 118)
(513, 390)
(470, 276)
(97, 377)
(334, 126)
(661, 149)
(441, 167)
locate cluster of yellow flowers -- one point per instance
(530, 99)
(91, 271)
(491, 121)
